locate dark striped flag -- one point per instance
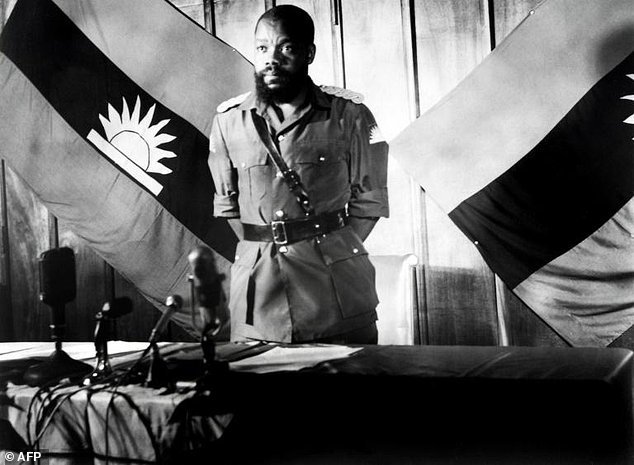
(105, 111)
(532, 156)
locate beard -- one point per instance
(289, 85)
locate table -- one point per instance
(383, 404)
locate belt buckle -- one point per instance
(278, 228)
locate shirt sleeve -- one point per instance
(224, 175)
(368, 168)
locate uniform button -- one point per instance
(279, 213)
(281, 137)
(322, 158)
(283, 249)
(317, 226)
(355, 250)
(279, 174)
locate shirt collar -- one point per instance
(315, 95)
(320, 99)
(250, 102)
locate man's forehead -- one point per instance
(267, 28)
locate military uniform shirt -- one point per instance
(317, 287)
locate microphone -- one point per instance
(57, 287)
(57, 276)
(207, 296)
(207, 287)
(110, 311)
(174, 303)
(118, 307)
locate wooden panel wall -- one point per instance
(28, 234)
(451, 39)
(403, 55)
(6, 329)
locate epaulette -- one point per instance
(232, 102)
(355, 97)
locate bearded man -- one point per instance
(300, 172)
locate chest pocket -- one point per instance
(322, 166)
(254, 170)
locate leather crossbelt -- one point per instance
(290, 176)
(289, 231)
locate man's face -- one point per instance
(281, 63)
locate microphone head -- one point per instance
(57, 276)
(207, 288)
(202, 262)
(206, 277)
(174, 301)
(118, 307)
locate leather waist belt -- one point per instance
(289, 231)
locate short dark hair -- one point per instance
(297, 23)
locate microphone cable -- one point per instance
(145, 421)
(42, 419)
(52, 279)
(173, 303)
(113, 394)
(42, 424)
(30, 409)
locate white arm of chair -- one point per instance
(396, 288)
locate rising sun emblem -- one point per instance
(133, 143)
(630, 119)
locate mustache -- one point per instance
(274, 71)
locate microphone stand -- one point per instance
(206, 297)
(102, 366)
(57, 286)
(212, 368)
(158, 374)
(59, 365)
(105, 318)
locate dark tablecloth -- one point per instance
(383, 404)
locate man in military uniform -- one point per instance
(301, 272)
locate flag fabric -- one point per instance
(105, 110)
(532, 156)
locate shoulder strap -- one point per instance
(232, 102)
(347, 94)
(289, 175)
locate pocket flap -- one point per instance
(318, 152)
(341, 245)
(245, 156)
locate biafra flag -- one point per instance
(105, 109)
(532, 157)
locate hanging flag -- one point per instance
(106, 108)
(532, 156)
